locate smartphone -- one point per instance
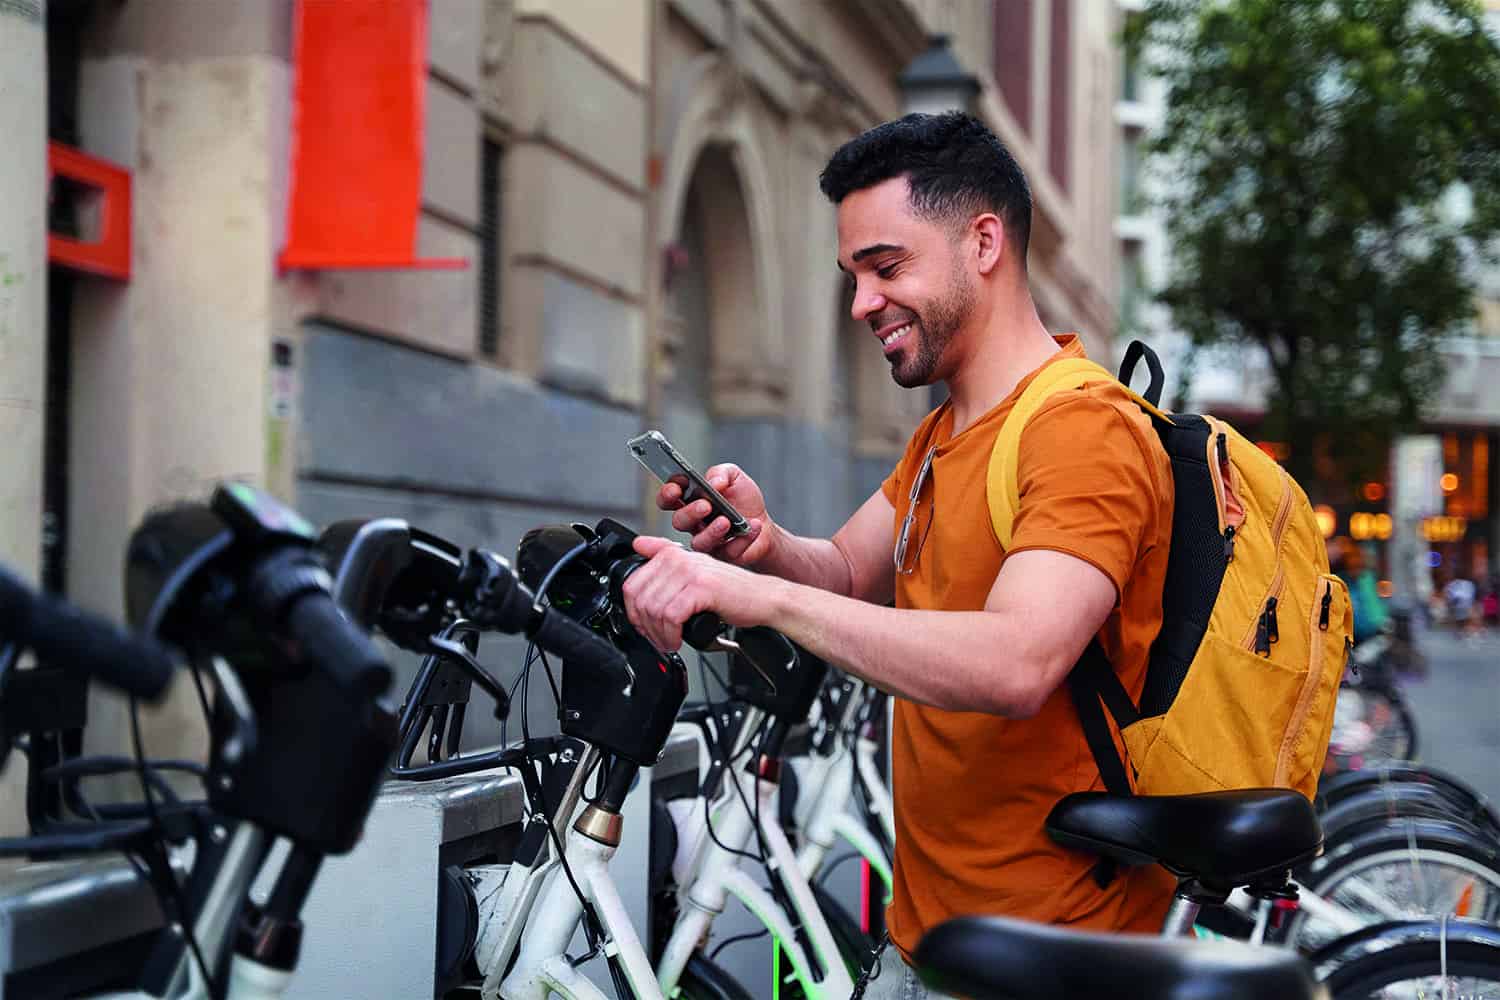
(656, 453)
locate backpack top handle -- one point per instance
(1134, 353)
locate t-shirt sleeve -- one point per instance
(889, 487)
(1088, 484)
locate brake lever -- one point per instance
(481, 676)
(724, 644)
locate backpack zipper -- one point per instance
(1314, 682)
(1266, 631)
(1221, 487)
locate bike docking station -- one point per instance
(413, 911)
(395, 917)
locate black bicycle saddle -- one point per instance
(1223, 839)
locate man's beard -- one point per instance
(936, 325)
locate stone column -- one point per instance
(23, 315)
(23, 279)
(170, 370)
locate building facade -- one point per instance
(634, 187)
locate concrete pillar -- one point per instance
(23, 315)
(23, 279)
(170, 371)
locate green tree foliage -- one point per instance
(1312, 156)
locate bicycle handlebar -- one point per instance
(495, 597)
(76, 640)
(339, 647)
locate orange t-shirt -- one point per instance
(972, 791)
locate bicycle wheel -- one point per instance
(1401, 870)
(1417, 959)
(855, 946)
(1399, 799)
(1334, 789)
(702, 979)
(1392, 731)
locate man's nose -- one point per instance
(866, 304)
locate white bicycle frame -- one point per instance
(532, 912)
(827, 812)
(710, 872)
(542, 968)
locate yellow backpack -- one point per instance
(1255, 633)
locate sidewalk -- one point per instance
(1457, 708)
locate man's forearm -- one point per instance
(963, 661)
(812, 562)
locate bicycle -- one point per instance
(1248, 841)
(238, 586)
(527, 912)
(1273, 830)
(231, 583)
(1403, 842)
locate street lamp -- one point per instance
(934, 81)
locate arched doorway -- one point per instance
(711, 302)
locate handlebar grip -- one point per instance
(68, 637)
(337, 646)
(557, 633)
(701, 630)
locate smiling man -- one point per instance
(933, 220)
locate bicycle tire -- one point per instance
(705, 979)
(1335, 788)
(855, 946)
(1403, 799)
(1440, 844)
(1357, 966)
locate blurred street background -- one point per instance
(440, 259)
(1457, 709)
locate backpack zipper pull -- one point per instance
(1327, 603)
(1229, 530)
(1262, 636)
(1271, 631)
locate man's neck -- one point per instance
(1012, 345)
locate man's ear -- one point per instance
(989, 235)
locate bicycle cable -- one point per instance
(718, 750)
(177, 903)
(736, 939)
(829, 869)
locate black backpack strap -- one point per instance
(1091, 682)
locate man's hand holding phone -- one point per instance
(711, 534)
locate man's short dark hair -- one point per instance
(956, 167)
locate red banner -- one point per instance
(357, 106)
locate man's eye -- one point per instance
(886, 273)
